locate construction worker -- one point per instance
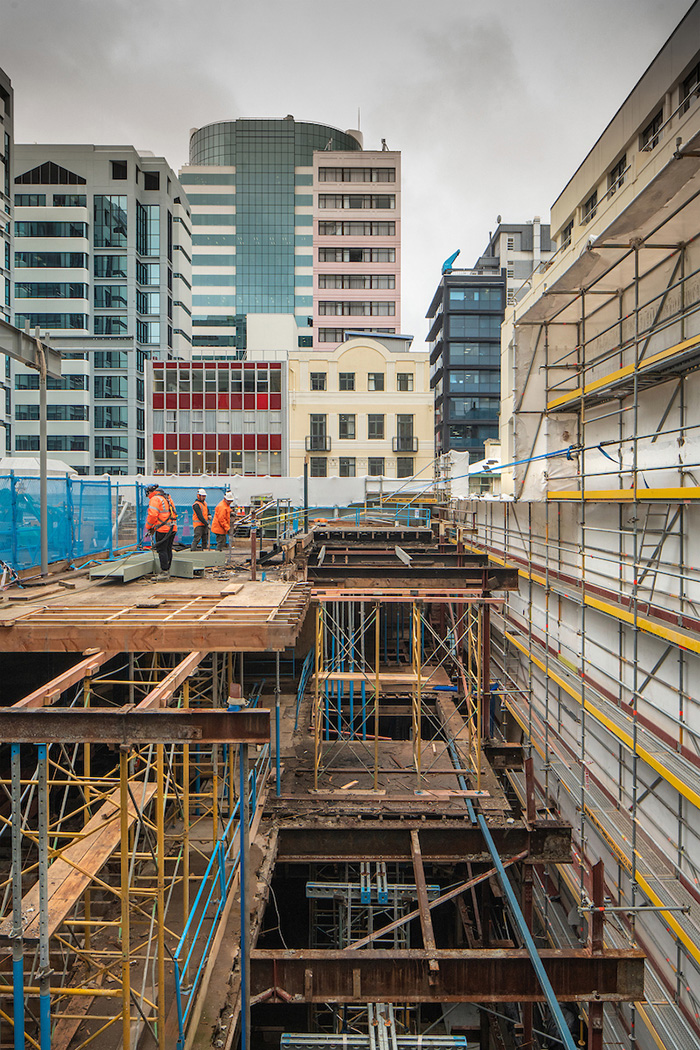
(200, 521)
(221, 522)
(161, 525)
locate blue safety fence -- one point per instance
(79, 519)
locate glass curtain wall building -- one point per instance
(465, 357)
(250, 185)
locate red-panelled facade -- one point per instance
(218, 417)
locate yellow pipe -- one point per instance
(160, 815)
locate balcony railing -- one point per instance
(317, 443)
(404, 444)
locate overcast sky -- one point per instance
(493, 103)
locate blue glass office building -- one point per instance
(250, 186)
(465, 356)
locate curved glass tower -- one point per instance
(250, 186)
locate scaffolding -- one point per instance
(598, 651)
(123, 854)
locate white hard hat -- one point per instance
(201, 492)
(229, 496)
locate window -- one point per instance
(375, 427)
(317, 441)
(151, 180)
(50, 229)
(49, 174)
(111, 359)
(52, 320)
(616, 175)
(111, 448)
(69, 200)
(356, 200)
(108, 417)
(590, 207)
(404, 467)
(346, 467)
(346, 381)
(50, 290)
(346, 427)
(567, 233)
(341, 280)
(106, 325)
(119, 169)
(690, 88)
(110, 266)
(357, 255)
(110, 221)
(54, 413)
(475, 326)
(30, 200)
(404, 381)
(375, 466)
(111, 387)
(110, 296)
(318, 467)
(41, 260)
(476, 298)
(318, 380)
(357, 174)
(356, 229)
(375, 380)
(649, 138)
(356, 309)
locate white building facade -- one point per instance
(102, 250)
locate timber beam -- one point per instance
(130, 726)
(495, 975)
(445, 841)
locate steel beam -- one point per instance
(22, 347)
(491, 975)
(445, 841)
(130, 726)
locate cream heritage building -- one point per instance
(362, 408)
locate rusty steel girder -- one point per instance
(495, 975)
(442, 842)
(131, 726)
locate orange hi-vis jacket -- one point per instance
(221, 522)
(200, 513)
(162, 515)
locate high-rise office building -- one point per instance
(295, 218)
(101, 263)
(465, 356)
(6, 153)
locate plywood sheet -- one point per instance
(257, 596)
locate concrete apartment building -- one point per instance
(291, 217)
(6, 153)
(102, 264)
(361, 408)
(599, 651)
(520, 249)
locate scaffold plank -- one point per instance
(675, 493)
(71, 873)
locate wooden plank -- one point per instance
(257, 596)
(385, 677)
(90, 852)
